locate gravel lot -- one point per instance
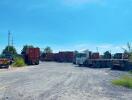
(61, 81)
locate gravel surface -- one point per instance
(61, 81)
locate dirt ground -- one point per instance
(61, 81)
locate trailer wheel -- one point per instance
(36, 64)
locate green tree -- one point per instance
(76, 52)
(25, 47)
(48, 50)
(9, 50)
(107, 55)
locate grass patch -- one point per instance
(125, 81)
(130, 72)
(18, 62)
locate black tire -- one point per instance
(37, 63)
(7, 66)
(80, 65)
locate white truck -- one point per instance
(82, 57)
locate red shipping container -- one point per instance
(49, 57)
(32, 56)
(56, 57)
(66, 56)
(95, 56)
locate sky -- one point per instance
(67, 24)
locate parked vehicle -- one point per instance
(121, 64)
(125, 56)
(9, 57)
(74, 58)
(65, 56)
(42, 57)
(98, 63)
(82, 57)
(69, 56)
(49, 57)
(118, 56)
(4, 63)
(95, 55)
(32, 56)
(56, 57)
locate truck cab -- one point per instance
(4, 62)
(80, 58)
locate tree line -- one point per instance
(12, 50)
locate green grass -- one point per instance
(125, 81)
(18, 62)
(130, 72)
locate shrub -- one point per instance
(125, 81)
(18, 62)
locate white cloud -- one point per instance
(101, 47)
(114, 48)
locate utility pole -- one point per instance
(97, 49)
(9, 34)
(12, 41)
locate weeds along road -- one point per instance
(61, 81)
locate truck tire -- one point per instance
(7, 66)
(37, 63)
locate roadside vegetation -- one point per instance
(10, 53)
(125, 81)
(130, 72)
(18, 62)
(10, 50)
(48, 50)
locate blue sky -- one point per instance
(67, 24)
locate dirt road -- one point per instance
(61, 81)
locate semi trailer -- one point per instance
(32, 56)
(119, 61)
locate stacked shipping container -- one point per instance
(65, 56)
(49, 57)
(59, 57)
